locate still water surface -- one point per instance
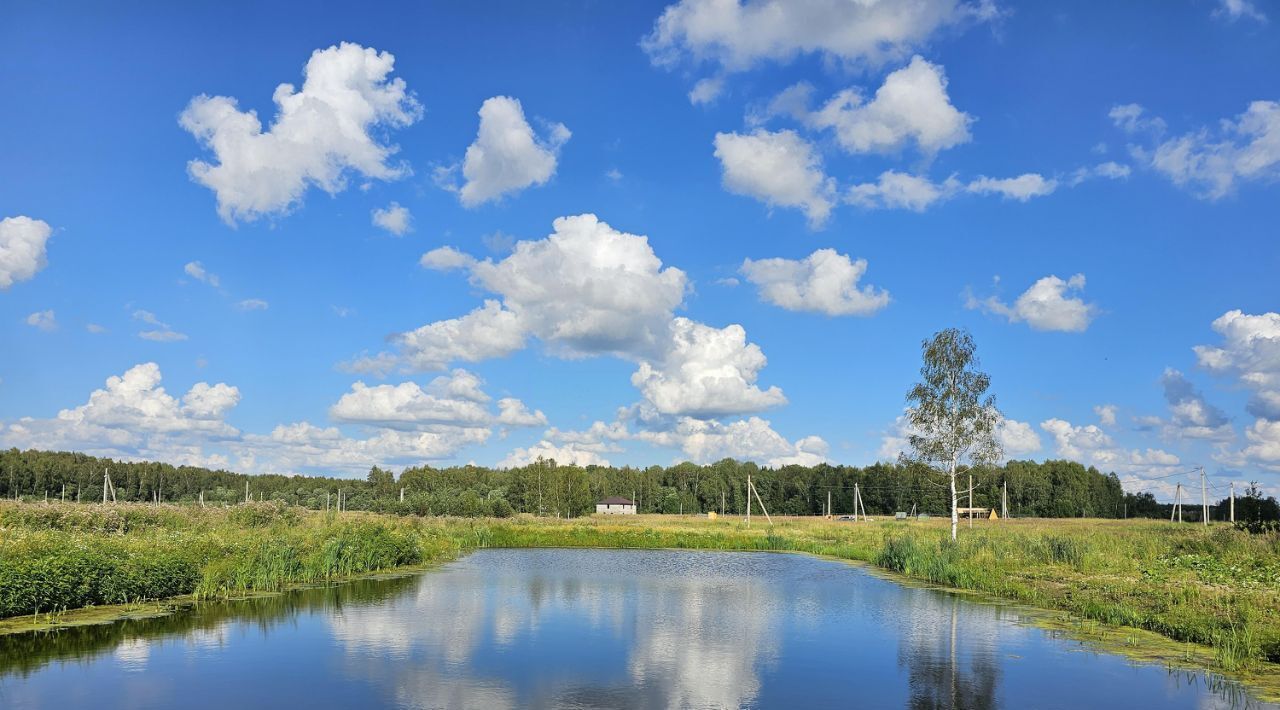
(593, 628)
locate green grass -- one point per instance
(1217, 587)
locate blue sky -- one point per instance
(820, 185)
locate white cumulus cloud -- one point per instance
(1210, 163)
(778, 168)
(487, 332)
(737, 34)
(320, 134)
(1020, 188)
(911, 107)
(22, 249)
(394, 218)
(823, 282)
(567, 455)
(1250, 350)
(706, 372)
(453, 400)
(506, 156)
(1048, 305)
(585, 290)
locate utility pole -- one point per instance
(1233, 501)
(246, 490)
(748, 500)
(1004, 500)
(1204, 499)
(401, 494)
(857, 496)
(828, 503)
(758, 500)
(971, 501)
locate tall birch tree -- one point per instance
(951, 423)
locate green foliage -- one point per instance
(261, 515)
(1047, 489)
(1259, 527)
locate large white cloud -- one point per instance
(589, 289)
(506, 156)
(736, 35)
(566, 455)
(1091, 445)
(824, 282)
(1210, 163)
(1250, 350)
(1047, 305)
(699, 440)
(134, 417)
(706, 372)
(1263, 447)
(1016, 439)
(911, 107)
(586, 289)
(22, 249)
(302, 445)
(320, 134)
(752, 439)
(487, 332)
(778, 168)
(453, 400)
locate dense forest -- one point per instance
(1049, 489)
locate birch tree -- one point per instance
(951, 423)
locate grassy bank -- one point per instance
(1218, 587)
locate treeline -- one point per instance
(1052, 489)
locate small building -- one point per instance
(616, 505)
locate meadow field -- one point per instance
(1215, 590)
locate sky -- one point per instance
(313, 239)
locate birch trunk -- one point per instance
(955, 517)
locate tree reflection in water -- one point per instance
(949, 664)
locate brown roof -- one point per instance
(615, 500)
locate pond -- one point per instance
(594, 628)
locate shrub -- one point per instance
(262, 515)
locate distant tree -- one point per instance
(951, 423)
(382, 479)
(1253, 506)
